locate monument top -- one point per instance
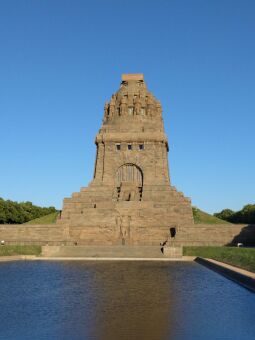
(134, 76)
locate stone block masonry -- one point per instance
(130, 200)
(192, 235)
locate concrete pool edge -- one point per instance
(243, 277)
(38, 258)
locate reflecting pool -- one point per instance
(121, 300)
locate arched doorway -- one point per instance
(129, 183)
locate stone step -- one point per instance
(106, 251)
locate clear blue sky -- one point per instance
(62, 59)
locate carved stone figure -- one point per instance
(137, 106)
(131, 177)
(112, 105)
(118, 221)
(123, 106)
(159, 108)
(143, 104)
(123, 226)
(106, 110)
(150, 106)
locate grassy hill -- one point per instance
(47, 219)
(239, 257)
(203, 217)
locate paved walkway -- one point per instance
(235, 269)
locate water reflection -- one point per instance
(117, 301)
(138, 304)
(121, 300)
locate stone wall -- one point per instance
(131, 189)
(216, 234)
(196, 234)
(38, 234)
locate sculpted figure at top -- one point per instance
(123, 106)
(112, 105)
(137, 105)
(132, 99)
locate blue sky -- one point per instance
(62, 59)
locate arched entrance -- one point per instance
(129, 183)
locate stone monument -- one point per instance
(130, 200)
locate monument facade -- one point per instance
(130, 200)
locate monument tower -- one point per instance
(130, 199)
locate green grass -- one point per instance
(8, 250)
(47, 219)
(203, 217)
(239, 257)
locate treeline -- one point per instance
(16, 213)
(246, 215)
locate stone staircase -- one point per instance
(106, 252)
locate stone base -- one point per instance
(188, 235)
(102, 251)
(175, 252)
(94, 217)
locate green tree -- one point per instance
(225, 214)
(16, 213)
(246, 215)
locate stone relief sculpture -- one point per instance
(123, 106)
(138, 103)
(159, 108)
(137, 106)
(150, 106)
(129, 182)
(112, 105)
(129, 193)
(106, 110)
(123, 227)
(131, 175)
(143, 105)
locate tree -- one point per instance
(16, 213)
(225, 214)
(246, 215)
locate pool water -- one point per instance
(121, 300)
